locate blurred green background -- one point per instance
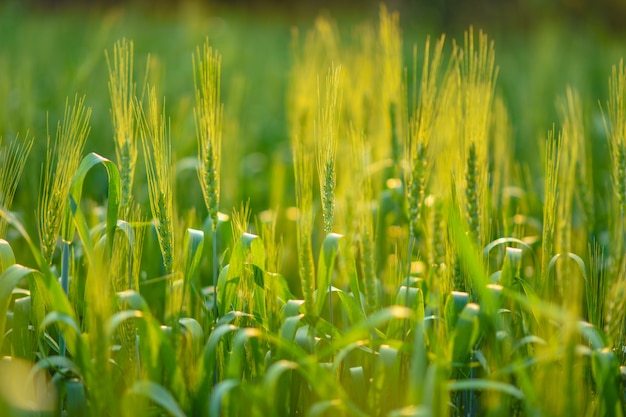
(50, 50)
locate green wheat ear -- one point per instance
(208, 115)
(122, 91)
(472, 192)
(327, 130)
(13, 158)
(552, 162)
(62, 159)
(157, 154)
(615, 125)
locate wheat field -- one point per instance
(404, 239)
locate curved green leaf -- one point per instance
(114, 191)
(386, 384)
(8, 281)
(577, 259)
(219, 392)
(605, 370)
(76, 397)
(118, 318)
(507, 240)
(364, 329)
(194, 330)
(251, 336)
(596, 337)
(351, 306)
(325, 268)
(23, 339)
(131, 299)
(455, 303)
(276, 385)
(207, 372)
(465, 333)
(157, 394)
(56, 363)
(248, 250)
(484, 384)
(7, 257)
(68, 327)
(53, 298)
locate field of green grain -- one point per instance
(216, 213)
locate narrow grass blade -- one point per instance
(70, 331)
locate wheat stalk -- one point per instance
(365, 227)
(208, 115)
(62, 159)
(478, 74)
(393, 93)
(122, 90)
(552, 162)
(327, 130)
(157, 154)
(302, 105)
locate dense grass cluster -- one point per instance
(409, 271)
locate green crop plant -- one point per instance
(416, 265)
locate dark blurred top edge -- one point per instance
(608, 15)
